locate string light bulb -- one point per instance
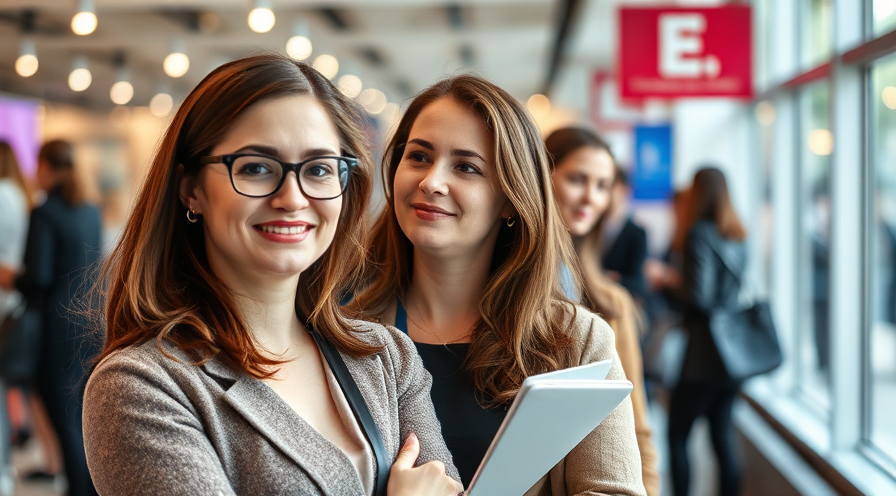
(161, 104)
(26, 64)
(262, 18)
(327, 65)
(538, 105)
(122, 91)
(350, 85)
(299, 46)
(84, 21)
(177, 63)
(80, 78)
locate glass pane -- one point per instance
(883, 16)
(765, 117)
(815, 197)
(882, 252)
(817, 38)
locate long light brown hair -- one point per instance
(9, 169)
(597, 295)
(709, 200)
(160, 284)
(525, 317)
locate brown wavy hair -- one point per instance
(525, 317)
(159, 282)
(709, 200)
(9, 169)
(596, 295)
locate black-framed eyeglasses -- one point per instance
(257, 176)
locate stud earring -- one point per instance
(192, 217)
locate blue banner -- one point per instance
(651, 177)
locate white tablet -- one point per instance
(595, 371)
(548, 418)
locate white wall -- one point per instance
(715, 131)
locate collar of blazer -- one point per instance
(263, 408)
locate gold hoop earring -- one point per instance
(510, 222)
(192, 217)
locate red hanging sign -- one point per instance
(671, 52)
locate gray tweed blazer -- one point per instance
(157, 426)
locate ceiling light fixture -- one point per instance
(161, 104)
(327, 65)
(391, 113)
(80, 78)
(122, 91)
(350, 85)
(261, 18)
(373, 100)
(299, 46)
(84, 22)
(26, 64)
(538, 105)
(889, 97)
(177, 63)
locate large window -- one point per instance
(883, 16)
(881, 235)
(816, 40)
(814, 257)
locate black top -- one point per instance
(626, 256)
(467, 427)
(709, 284)
(62, 251)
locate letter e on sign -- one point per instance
(681, 45)
(676, 52)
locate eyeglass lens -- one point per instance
(319, 178)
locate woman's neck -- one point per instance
(442, 301)
(269, 311)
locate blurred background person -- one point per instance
(584, 175)
(63, 244)
(15, 204)
(623, 242)
(708, 285)
(663, 344)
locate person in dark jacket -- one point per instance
(715, 257)
(625, 243)
(63, 244)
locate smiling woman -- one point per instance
(468, 251)
(228, 366)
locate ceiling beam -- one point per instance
(568, 11)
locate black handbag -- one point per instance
(359, 408)
(746, 338)
(20, 340)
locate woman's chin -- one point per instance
(577, 229)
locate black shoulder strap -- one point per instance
(359, 408)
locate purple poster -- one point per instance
(18, 126)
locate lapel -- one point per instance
(263, 408)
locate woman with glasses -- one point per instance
(228, 366)
(468, 251)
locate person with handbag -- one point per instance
(584, 174)
(63, 244)
(15, 203)
(467, 257)
(710, 286)
(228, 366)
